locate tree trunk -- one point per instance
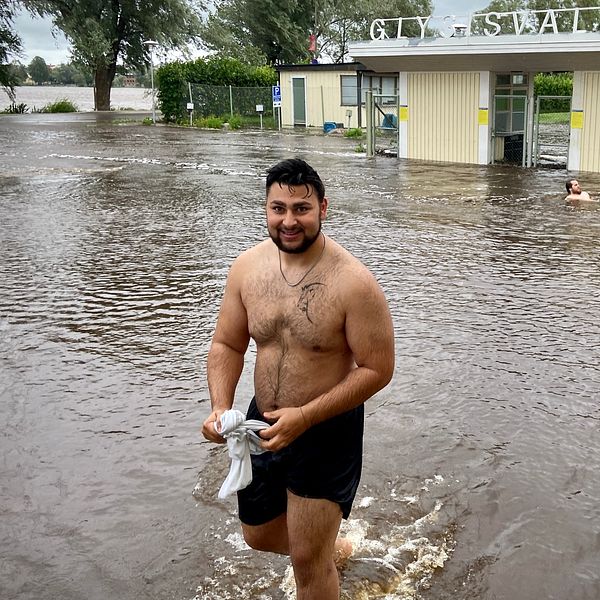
(103, 80)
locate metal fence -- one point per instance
(552, 131)
(227, 100)
(383, 113)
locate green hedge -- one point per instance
(554, 84)
(172, 81)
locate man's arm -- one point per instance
(370, 335)
(226, 354)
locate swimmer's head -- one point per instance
(572, 185)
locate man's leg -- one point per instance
(271, 536)
(312, 531)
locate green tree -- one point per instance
(260, 31)
(278, 31)
(589, 20)
(104, 32)
(38, 70)
(10, 45)
(19, 72)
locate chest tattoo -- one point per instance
(307, 296)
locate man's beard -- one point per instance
(307, 242)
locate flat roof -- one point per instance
(533, 52)
(349, 66)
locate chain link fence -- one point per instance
(226, 101)
(552, 131)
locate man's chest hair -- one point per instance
(307, 314)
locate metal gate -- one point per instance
(509, 129)
(382, 114)
(552, 131)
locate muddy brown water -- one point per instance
(481, 458)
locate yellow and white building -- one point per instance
(466, 93)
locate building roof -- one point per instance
(349, 66)
(536, 52)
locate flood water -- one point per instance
(38, 96)
(481, 457)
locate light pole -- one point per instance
(151, 44)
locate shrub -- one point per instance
(59, 106)
(235, 122)
(16, 109)
(209, 122)
(172, 80)
(554, 84)
(147, 121)
(354, 132)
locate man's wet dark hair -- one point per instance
(569, 184)
(295, 172)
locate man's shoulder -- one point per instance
(351, 270)
(583, 196)
(250, 260)
(252, 253)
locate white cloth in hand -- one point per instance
(242, 440)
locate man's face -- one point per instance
(294, 217)
(575, 187)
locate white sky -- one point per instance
(38, 39)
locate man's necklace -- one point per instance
(307, 272)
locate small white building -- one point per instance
(315, 94)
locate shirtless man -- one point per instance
(325, 345)
(575, 192)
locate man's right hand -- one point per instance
(208, 427)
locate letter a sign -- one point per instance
(276, 96)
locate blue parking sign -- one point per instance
(276, 96)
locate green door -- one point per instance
(299, 93)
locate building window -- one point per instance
(510, 103)
(348, 83)
(386, 86)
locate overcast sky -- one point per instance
(38, 39)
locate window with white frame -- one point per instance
(348, 85)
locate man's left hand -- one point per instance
(289, 424)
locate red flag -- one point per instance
(312, 46)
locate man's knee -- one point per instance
(270, 537)
(311, 564)
(256, 538)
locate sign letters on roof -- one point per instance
(527, 22)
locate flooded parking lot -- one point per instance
(480, 458)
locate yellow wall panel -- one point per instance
(323, 98)
(590, 133)
(444, 116)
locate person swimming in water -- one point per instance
(575, 192)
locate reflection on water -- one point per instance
(480, 457)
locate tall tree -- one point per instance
(278, 31)
(104, 32)
(267, 31)
(10, 45)
(38, 70)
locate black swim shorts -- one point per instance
(325, 462)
